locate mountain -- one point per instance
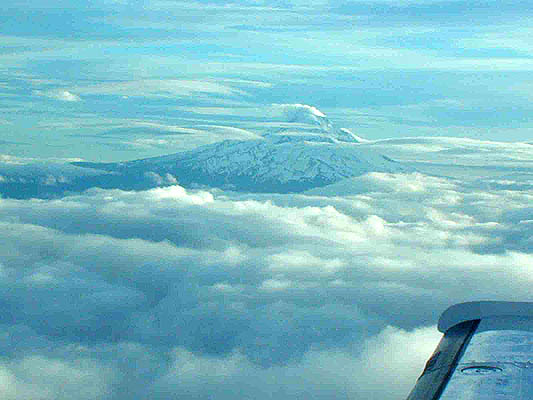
(307, 123)
(301, 152)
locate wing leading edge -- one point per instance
(486, 353)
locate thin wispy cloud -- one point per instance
(161, 88)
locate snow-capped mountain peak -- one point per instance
(303, 150)
(302, 122)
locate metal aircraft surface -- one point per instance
(486, 353)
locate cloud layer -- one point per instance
(195, 294)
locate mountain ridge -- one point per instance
(308, 152)
(302, 152)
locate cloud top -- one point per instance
(172, 290)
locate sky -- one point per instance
(206, 293)
(98, 80)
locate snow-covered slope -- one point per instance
(303, 152)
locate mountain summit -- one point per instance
(306, 123)
(301, 152)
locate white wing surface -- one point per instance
(486, 354)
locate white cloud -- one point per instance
(167, 179)
(203, 134)
(295, 109)
(163, 88)
(306, 294)
(59, 94)
(39, 377)
(382, 370)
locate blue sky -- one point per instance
(72, 72)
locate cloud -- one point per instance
(54, 378)
(320, 374)
(297, 294)
(173, 139)
(161, 180)
(161, 88)
(296, 112)
(59, 94)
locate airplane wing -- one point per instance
(486, 353)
